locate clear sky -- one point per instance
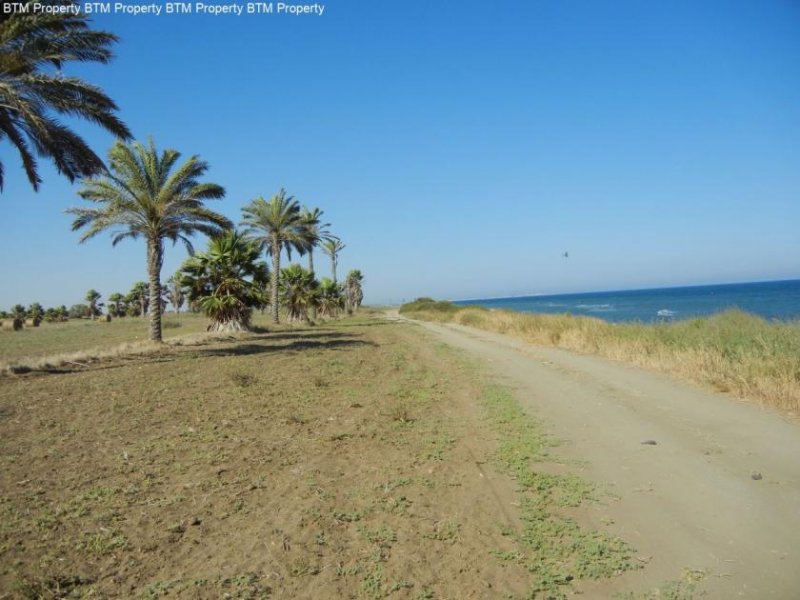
(459, 148)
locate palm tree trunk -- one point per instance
(155, 258)
(333, 266)
(276, 271)
(311, 268)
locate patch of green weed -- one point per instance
(552, 547)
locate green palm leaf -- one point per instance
(31, 45)
(149, 194)
(277, 225)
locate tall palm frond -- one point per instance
(34, 46)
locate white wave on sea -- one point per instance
(596, 307)
(666, 313)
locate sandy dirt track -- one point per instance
(692, 500)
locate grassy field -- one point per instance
(85, 335)
(52, 345)
(731, 352)
(355, 459)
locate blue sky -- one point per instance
(459, 148)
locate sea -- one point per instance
(773, 300)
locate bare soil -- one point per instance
(706, 487)
(343, 461)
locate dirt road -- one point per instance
(697, 480)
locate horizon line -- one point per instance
(644, 289)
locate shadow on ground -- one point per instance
(250, 344)
(266, 347)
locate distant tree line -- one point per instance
(227, 282)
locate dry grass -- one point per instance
(51, 344)
(82, 335)
(731, 352)
(85, 358)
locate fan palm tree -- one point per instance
(277, 225)
(62, 314)
(332, 246)
(95, 306)
(148, 194)
(353, 291)
(116, 303)
(17, 316)
(329, 298)
(138, 295)
(36, 311)
(225, 281)
(298, 292)
(34, 46)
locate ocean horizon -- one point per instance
(768, 299)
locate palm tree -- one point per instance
(175, 292)
(18, 311)
(224, 281)
(34, 45)
(314, 232)
(145, 194)
(332, 246)
(329, 298)
(36, 311)
(298, 292)
(277, 226)
(18, 316)
(353, 291)
(115, 306)
(138, 295)
(95, 306)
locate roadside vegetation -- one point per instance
(732, 351)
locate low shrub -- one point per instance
(428, 304)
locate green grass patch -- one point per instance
(684, 588)
(553, 547)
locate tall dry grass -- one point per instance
(85, 358)
(732, 351)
